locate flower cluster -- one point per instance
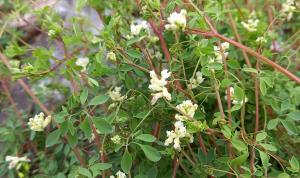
(234, 99)
(111, 56)
(115, 94)
(39, 122)
(177, 20)
(137, 27)
(178, 133)
(116, 139)
(15, 161)
(218, 52)
(251, 24)
(195, 81)
(119, 174)
(187, 108)
(83, 62)
(260, 40)
(159, 86)
(287, 9)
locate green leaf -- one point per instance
(101, 166)
(239, 160)
(294, 164)
(134, 54)
(151, 153)
(233, 64)
(83, 95)
(269, 147)
(102, 125)
(283, 175)
(215, 66)
(225, 83)
(251, 70)
(100, 99)
(272, 124)
(84, 171)
(60, 117)
(126, 162)
(53, 138)
(290, 127)
(238, 93)
(264, 159)
(196, 126)
(146, 138)
(261, 136)
(141, 114)
(226, 131)
(295, 115)
(239, 145)
(263, 88)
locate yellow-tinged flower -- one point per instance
(39, 122)
(15, 161)
(177, 20)
(187, 108)
(158, 86)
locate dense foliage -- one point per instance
(149, 88)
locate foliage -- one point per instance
(226, 104)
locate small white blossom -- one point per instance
(115, 94)
(39, 122)
(153, 39)
(177, 20)
(252, 23)
(158, 85)
(287, 9)
(137, 27)
(261, 40)
(120, 174)
(218, 52)
(178, 133)
(83, 62)
(194, 82)
(51, 33)
(14, 161)
(187, 108)
(235, 100)
(111, 56)
(116, 139)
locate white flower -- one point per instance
(116, 139)
(261, 40)
(218, 52)
(252, 22)
(111, 56)
(120, 174)
(287, 9)
(188, 108)
(115, 94)
(51, 33)
(137, 27)
(178, 133)
(194, 82)
(158, 86)
(234, 99)
(177, 20)
(39, 122)
(83, 62)
(250, 25)
(14, 161)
